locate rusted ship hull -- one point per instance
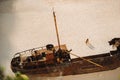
(109, 61)
(55, 60)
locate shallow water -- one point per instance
(31, 25)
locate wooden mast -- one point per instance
(58, 40)
(70, 53)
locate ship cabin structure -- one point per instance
(53, 60)
(41, 57)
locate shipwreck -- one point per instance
(52, 60)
